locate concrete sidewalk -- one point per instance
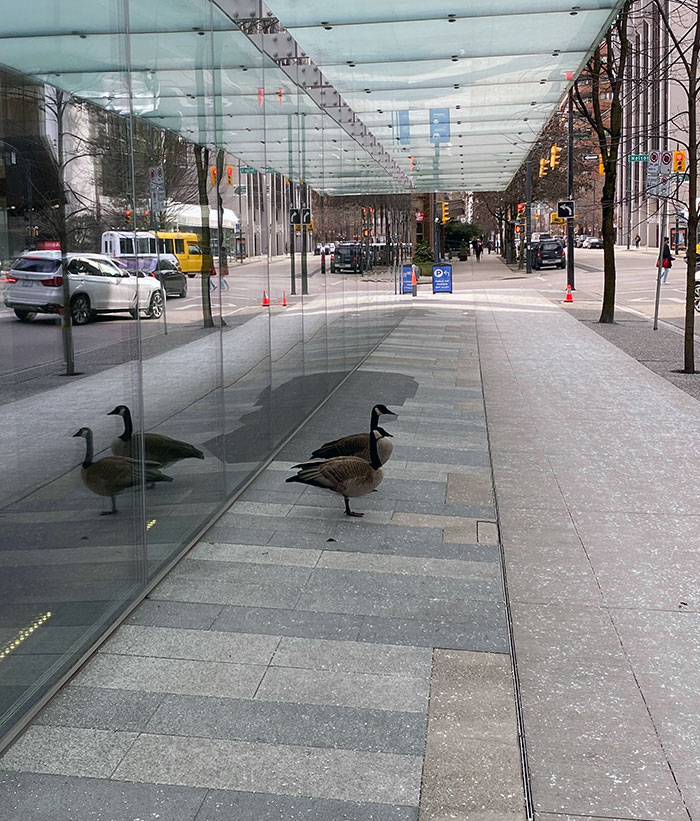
(596, 475)
(299, 664)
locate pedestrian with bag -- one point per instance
(666, 260)
(637, 240)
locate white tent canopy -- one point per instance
(191, 215)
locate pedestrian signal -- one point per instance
(679, 162)
(543, 167)
(554, 156)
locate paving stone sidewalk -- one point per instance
(300, 664)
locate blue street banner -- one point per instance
(439, 125)
(404, 127)
(442, 279)
(407, 279)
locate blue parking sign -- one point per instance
(407, 279)
(442, 279)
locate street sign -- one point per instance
(555, 220)
(407, 279)
(156, 179)
(439, 125)
(420, 216)
(591, 156)
(305, 216)
(565, 209)
(247, 170)
(581, 134)
(442, 279)
(295, 216)
(638, 157)
(663, 188)
(653, 172)
(268, 171)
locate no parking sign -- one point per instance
(442, 279)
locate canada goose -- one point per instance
(115, 474)
(357, 444)
(157, 448)
(349, 476)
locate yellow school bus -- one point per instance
(185, 247)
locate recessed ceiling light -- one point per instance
(326, 25)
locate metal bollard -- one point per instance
(323, 263)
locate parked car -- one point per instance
(347, 258)
(592, 242)
(548, 252)
(579, 239)
(696, 301)
(96, 285)
(168, 272)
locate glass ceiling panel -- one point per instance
(498, 67)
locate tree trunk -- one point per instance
(607, 313)
(201, 157)
(66, 318)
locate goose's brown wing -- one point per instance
(356, 444)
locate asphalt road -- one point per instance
(36, 347)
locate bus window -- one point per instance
(166, 246)
(143, 246)
(126, 246)
(194, 249)
(179, 246)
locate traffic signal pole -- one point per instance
(570, 220)
(528, 216)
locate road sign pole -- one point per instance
(570, 178)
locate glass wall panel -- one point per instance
(72, 528)
(157, 299)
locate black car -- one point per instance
(548, 252)
(174, 281)
(347, 258)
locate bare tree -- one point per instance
(201, 158)
(602, 77)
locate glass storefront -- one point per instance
(157, 299)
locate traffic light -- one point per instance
(261, 96)
(521, 210)
(554, 156)
(364, 213)
(543, 167)
(413, 163)
(445, 206)
(229, 175)
(128, 215)
(280, 95)
(679, 162)
(212, 175)
(601, 165)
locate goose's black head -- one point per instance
(120, 410)
(382, 433)
(382, 409)
(84, 432)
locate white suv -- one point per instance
(97, 285)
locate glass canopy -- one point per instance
(439, 96)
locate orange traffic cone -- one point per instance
(569, 296)
(284, 299)
(265, 301)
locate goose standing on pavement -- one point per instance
(157, 448)
(357, 444)
(348, 476)
(115, 474)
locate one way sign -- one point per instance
(565, 209)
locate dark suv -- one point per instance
(347, 258)
(548, 252)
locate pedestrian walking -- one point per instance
(478, 248)
(637, 240)
(489, 245)
(666, 261)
